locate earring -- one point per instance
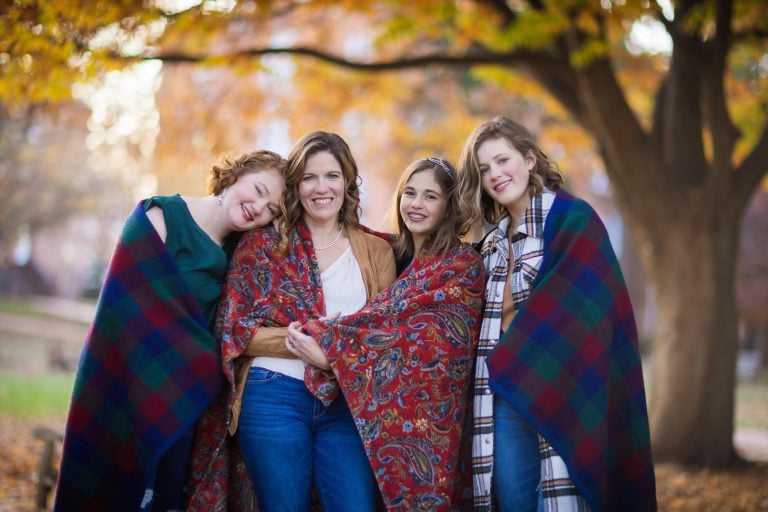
(220, 198)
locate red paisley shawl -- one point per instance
(263, 288)
(404, 363)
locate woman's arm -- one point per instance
(269, 342)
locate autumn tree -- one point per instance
(684, 150)
(44, 174)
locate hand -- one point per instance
(305, 347)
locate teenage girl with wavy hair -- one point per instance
(560, 420)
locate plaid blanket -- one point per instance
(404, 364)
(570, 363)
(148, 369)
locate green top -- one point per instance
(202, 262)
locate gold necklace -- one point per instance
(338, 235)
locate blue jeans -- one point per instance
(516, 461)
(171, 479)
(291, 442)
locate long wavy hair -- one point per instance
(449, 229)
(478, 205)
(309, 145)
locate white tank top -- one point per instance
(343, 292)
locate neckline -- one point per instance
(197, 225)
(337, 260)
(338, 236)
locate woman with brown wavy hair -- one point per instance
(318, 263)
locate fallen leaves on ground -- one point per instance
(19, 458)
(743, 489)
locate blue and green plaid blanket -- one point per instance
(148, 369)
(570, 363)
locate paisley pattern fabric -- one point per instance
(404, 364)
(263, 288)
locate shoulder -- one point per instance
(570, 219)
(461, 261)
(266, 235)
(564, 202)
(466, 253)
(568, 209)
(458, 255)
(162, 201)
(467, 258)
(375, 249)
(377, 243)
(373, 242)
(264, 239)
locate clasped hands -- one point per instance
(305, 347)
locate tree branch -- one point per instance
(682, 112)
(553, 73)
(755, 33)
(520, 57)
(561, 83)
(658, 126)
(724, 133)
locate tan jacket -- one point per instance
(377, 264)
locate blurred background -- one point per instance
(655, 112)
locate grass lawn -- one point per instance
(41, 396)
(752, 402)
(18, 307)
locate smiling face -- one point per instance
(505, 174)
(422, 205)
(254, 199)
(321, 191)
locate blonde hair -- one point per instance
(478, 205)
(228, 171)
(449, 229)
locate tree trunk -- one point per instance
(694, 356)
